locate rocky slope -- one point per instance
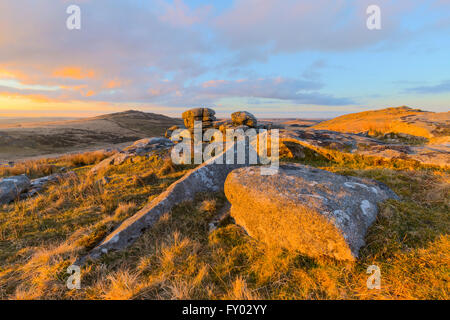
(335, 145)
(430, 125)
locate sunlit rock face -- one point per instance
(402, 122)
(138, 148)
(244, 118)
(302, 208)
(208, 177)
(205, 115)
(324, 141)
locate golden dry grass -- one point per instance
(391, 120)
(45, 232)
(44, 167)
(179, 259)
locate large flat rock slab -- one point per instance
(302, 208)
(208, 177)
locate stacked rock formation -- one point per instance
(205, 115)
(244, 118)
(240, 120)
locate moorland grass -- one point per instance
(47, 166)
(180, 259)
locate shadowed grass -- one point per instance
(45, 167)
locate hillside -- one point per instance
(180, 257)
(140, 226)
(57, 137)
(430, 125)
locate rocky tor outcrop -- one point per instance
(303, 208)
(205, 115)
(139, 148)
(244, 118)
(147, 145)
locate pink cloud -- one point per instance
(180, 15)
(292, 25)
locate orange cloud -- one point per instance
(38, 98)
(76, 88)
(73, 73)
(113, 84)
(5, 74)
(90, 93)
(13, 74)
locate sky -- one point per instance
(290, 58)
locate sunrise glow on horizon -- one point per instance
(310, 59)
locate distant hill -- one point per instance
(54, 137)
(140, 121)
(430, 125)
(12, 122)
